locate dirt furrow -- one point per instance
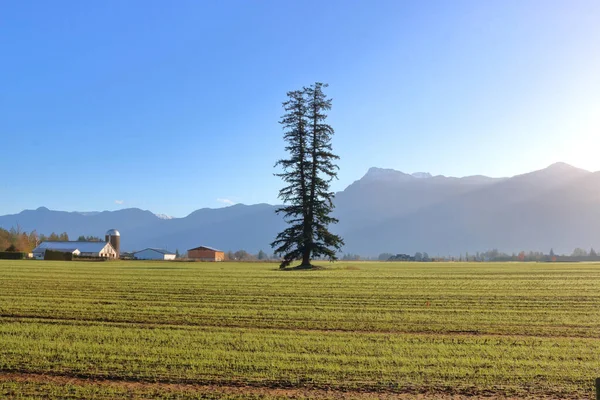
(141, 389)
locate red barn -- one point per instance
(204, 253)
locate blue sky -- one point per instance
(174, 106)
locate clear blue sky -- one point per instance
(174, 106)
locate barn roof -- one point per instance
(61, 249)
(204, 248)
(84, 247)
(162, 251)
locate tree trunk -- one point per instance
(306, 258)
(311, 192)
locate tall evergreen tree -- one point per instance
(292, 241)
(307, 173)
(323, 170)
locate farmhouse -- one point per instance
(154, 254)
(204, 253)
(82, 249)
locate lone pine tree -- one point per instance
(308, 201)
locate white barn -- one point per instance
(154, 254)
(83, 249)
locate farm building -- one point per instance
(82, 249)
(114, 238)
(154, 254)
(204, 253)
(108, 249)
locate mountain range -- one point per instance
(385, 211)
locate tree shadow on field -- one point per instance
(318, 268)
(303, 268)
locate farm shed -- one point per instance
(154, 254)
(204, 253)
(83, 249)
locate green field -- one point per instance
(248, 330)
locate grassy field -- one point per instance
(249, 331)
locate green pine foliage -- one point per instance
(307, 174)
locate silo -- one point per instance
(114, 238)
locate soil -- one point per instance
(181, 389)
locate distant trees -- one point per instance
(63, 237)
(20, 241)
(401, 257)
(384, 256)
(485, 256)
(579, 252)
(307, 173)
(418, 257)
(16, 240)
(242, 255)
(12, 247)
(83, 238)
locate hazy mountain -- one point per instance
(235, 227)
(421, 175)
(384, 211)
(555, 207)
(384, 193)
(128, 221)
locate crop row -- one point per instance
(525, 300)
(512, 329)
(341, 360)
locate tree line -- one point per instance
(243, 255)
(578, 254)
(17, 240)
(83, 238)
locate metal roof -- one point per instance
(204, 248)
(113, 232)
(162, 251)
(62, 250)
(84, 247)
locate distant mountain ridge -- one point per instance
(387, 174)
(385, 211)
